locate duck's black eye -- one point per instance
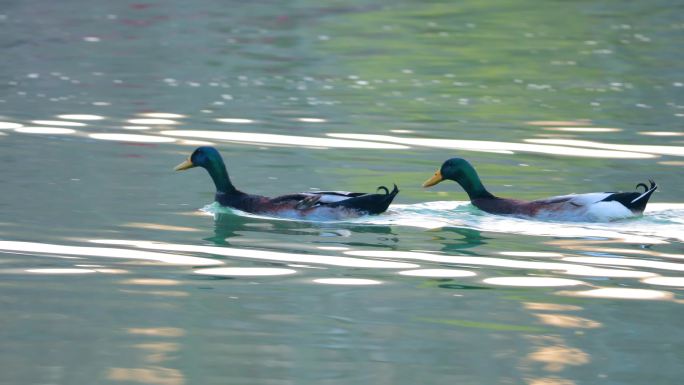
(197, 156)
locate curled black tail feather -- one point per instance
(646, 188)
(395, 189)
(370, 203)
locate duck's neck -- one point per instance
(473, 186)
(218, 173)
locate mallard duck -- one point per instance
(315, 204)
(599, 206)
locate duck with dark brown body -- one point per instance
(336, 204)
(598, 206)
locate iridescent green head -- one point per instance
(461, 171)
(203, 156)
(209, 159)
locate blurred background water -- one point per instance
(115, 270)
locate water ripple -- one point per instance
(661, 223)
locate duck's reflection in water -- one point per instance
(469, 238)
(236, 229)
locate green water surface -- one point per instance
(116, 270)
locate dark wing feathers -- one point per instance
(364, 202)
(337, 193)
(289, 198)
(558, 199)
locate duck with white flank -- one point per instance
(599, 206)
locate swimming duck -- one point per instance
(599, 206)
(314, 204)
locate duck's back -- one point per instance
(334, 204)
(574, 207)
(246, 202)
(593, 207)
(503, 206)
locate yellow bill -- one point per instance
(185, 165)
(434, 180)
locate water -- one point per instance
(116, 270)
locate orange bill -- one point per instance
(434, 180)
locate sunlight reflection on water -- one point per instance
(9, 125)
(305, 141)
(244, 271)
(235, 120)
(60, 271)
(583, 129)
(346, 281)
(438, 273)
(646, 149)
(153, 121)
(630, 262)
(80, 117)
(173, 259)
(58, 123)
(665, 281)
(384, 259)
(620, 293)
(132, 138)
(532, 281)
(162, 115)
(262, 254)
(45, 130)
(488, 146)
